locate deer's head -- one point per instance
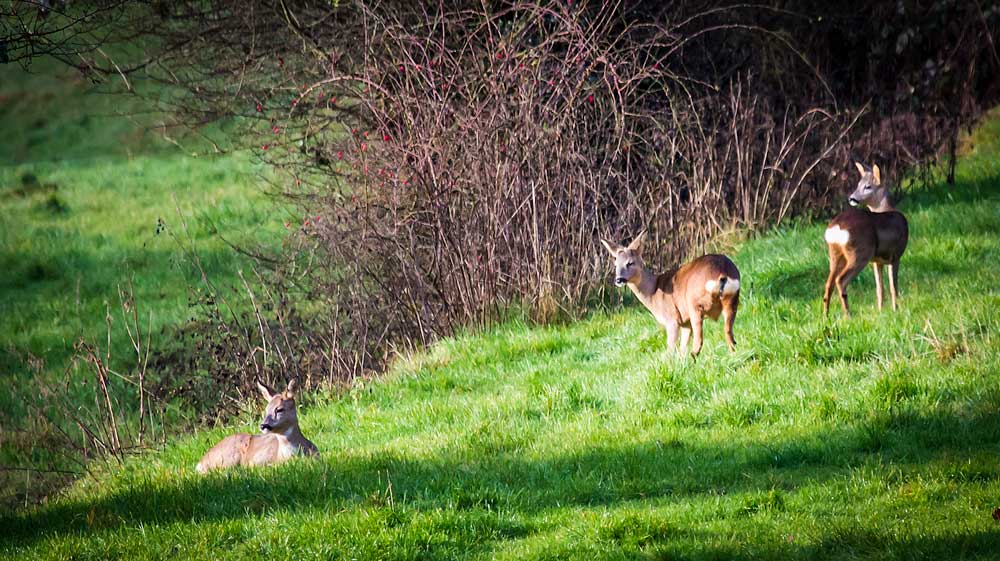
(280, 413)
(869, 191)
(628, 260)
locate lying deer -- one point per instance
(279, 439)
(679, 299)
(856, 237)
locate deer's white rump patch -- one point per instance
(836, 236)
(732, 286)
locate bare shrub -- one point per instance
(484, 151)
(125, 415)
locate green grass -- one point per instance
(87, 185)
(876, 437)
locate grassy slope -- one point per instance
(87, 222)
(877, 437)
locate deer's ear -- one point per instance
(265, 391)
(612, 248)
(861, 168)
(877, 174)
(293, 386)
(637, 242)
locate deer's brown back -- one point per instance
(692, 276)
(691, 280)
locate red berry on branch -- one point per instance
(260, 107)
(264, 147)
(340, 155)
(385, 137)
(333, 100)
(590, 98)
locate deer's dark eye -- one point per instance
(630, 263)
(279, 410)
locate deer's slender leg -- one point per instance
(685, 337)
(837, 262)
(893, 284)
(729, 315)
(671, 336)
(846, 276)
(878, 283)
(696, 332)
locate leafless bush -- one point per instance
(483, 152)
(125, 416)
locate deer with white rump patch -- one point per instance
(681, 298)
(279, 439)
(857, 237)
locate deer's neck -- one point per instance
(646, 287)
(301, 444)
(293, 433)
(882, 205)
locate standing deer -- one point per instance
(680, 298)
(856, 237)
(279, 439)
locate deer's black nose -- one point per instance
(621, 281)
(853, 201)
(265, 426)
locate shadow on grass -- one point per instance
(465, 479)
(841, 543)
